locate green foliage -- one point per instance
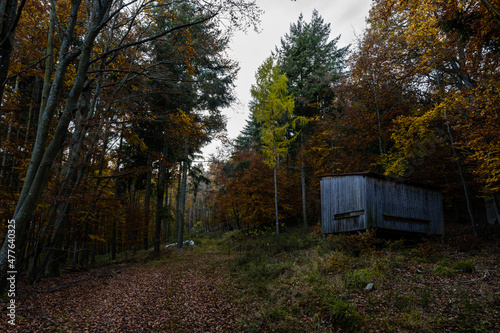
(442, 270)
(425, 298)
(250, 136)
(465, 266)
(343, 314)
(468, 318)
(272, 107)
(312, 63)
(321, 279)
(404, 302)
(394, 245)
(359, 278)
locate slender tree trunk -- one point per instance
(147, 201)
(379, 122)
(236, 217)
(117, 197)
(276, 202)
(49, 62)
(4, 158)
(495, 207)
(71, 179)
(455, 155)
(182, 199)
(10, 12)
(166, 220)
(30, 112)
(162, 175)
(303, 181)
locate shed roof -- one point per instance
(384, 177)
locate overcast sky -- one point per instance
(346, 18)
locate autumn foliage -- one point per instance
(106, 105)
(416, 98)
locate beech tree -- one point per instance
(10, 12)
(79, 48)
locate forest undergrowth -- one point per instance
(366, 283)
(297, 282)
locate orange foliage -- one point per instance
(245, 191)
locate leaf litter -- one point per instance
(181, 294)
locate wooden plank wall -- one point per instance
(342, 196)
(403, 207)
(356, 202)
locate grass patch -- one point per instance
(359, 278)
(443, 270)
(311, 283)
(344, 315)
(465, 266)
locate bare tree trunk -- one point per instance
(182, 200)
(70, 181)
(147, 201)
(276, 202)
(117, 197)
(303, 181)
(4, 158)
(455, 155)
(49, 62)
(10, 12)
(43, 156)
(166, 221)
(159, 208)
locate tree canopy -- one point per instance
(106, 104)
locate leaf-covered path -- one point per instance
(180, 294)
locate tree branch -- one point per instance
(145, 40)
(496, 14)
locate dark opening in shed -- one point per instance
(359, 201)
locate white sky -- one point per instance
(346, 18)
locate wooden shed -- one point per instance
(359, 201)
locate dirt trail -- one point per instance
(181, 294)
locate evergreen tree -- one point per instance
(250, 136)
(312, 63)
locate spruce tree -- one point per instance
(312, 63)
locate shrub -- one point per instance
(428, 252)
(359, 278)
(467, 266)
(425, 298)
(359, 243)
(395, 245)
(337, 261)
(443, 271)
(343, 314)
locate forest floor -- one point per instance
(256, 282)
(178, 293)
